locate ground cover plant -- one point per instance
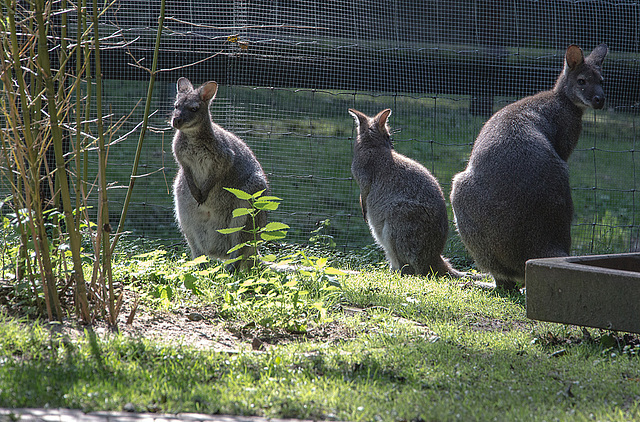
(366, 345)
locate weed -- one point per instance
(321, 237)
(272, 298)
(291, 291)
(272, 231)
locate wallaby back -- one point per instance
(211, 159)
(513, 201)
(401, 201)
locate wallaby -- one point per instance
(513, 201)
(401, 201)
(210, 159)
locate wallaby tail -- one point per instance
(465, 274)
(470, 278)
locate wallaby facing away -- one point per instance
(210, 159)
(401, 201)
(513, 201)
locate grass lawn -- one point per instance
(365, 346)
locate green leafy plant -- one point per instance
(272, 231)
(290, 291)
(321, 237)
(165, 278)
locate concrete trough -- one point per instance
(601, 291)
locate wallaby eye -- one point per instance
(194, 108)
(582, 81)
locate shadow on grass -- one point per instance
(385, 376)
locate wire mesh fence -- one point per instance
(289, 70)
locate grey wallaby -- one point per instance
(513, 201)
(210, 159)
(401, 201)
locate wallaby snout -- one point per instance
(597, 101)
(591, 93)
(177, 121)
(181, 117)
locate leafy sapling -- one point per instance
(292, 290)
(253, 232)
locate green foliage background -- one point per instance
(304, 139)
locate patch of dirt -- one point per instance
(261, 338)
(495, 325)
(196, 328)
(202, 328)
(199, 328)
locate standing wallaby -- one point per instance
(210, 159)
(401, 201)
(513, 201)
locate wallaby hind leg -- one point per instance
(195, 250)
(420, 249)
(194, 245)
(506, 277)
(395, 263)
(506, 284)
(385, 237)
(419, 260)
(249, 259)
(402, 256)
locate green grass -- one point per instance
(406, 348)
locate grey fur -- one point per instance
(513, 201)
(401, 201)
(210, 159)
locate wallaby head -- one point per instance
(191, 108)
(372, 131)
(581, 78)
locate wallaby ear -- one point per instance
(208, 91)
(360, 118)
(184, 85)
(573, 57)
(597, 55)
(381, 119)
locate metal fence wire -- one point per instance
(288, 70)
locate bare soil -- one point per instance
(201, 328)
